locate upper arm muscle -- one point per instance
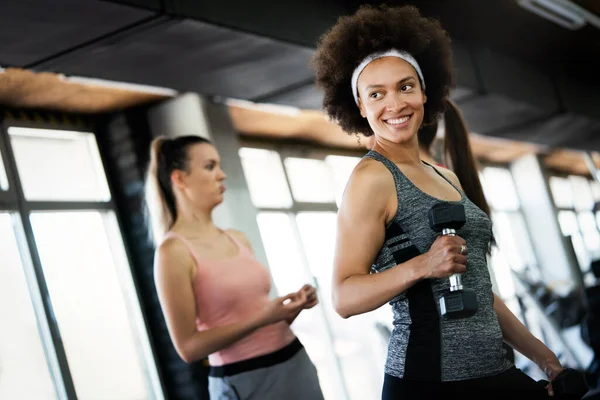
(362, 218)
(173, 270)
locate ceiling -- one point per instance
(21, 88)
(519, 77)
(255, 122)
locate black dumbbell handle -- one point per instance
(455, 279)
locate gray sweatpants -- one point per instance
(294, 379)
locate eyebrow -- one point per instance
(401, 81)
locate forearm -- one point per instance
(362, 293)
(519, 337)
(202, 343)
(293, 318)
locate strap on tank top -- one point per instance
(445, 178)
(242, 249)
(186, 243)
(399, 175)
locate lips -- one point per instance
(398, 121)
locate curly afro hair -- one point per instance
(375, 29)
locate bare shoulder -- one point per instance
(240, 236)
(449, 175)
(171, 252)
(172, 248)
(371, 175)
(370, 191)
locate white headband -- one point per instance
(390, 53)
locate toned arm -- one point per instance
(361, 224)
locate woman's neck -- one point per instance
(194, 221)
(399, 153)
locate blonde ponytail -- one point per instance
(159, 215)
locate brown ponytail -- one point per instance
(166, 155)
(459, 157)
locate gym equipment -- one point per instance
(570, 384)
(590, 333)
(447, 218)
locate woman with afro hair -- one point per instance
(385, 72)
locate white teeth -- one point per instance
(398, 121)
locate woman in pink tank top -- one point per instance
(213, 291)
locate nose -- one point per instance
(395, 103)
(222, 175)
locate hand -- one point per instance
(311, 296)
(444, 257)
(551, 367)
(283, 308)
(311, 300)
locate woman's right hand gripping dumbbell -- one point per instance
(447, 256)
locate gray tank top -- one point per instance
(423, 345)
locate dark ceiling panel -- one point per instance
(32, 30)
(561, 131)
(300, 22)
(515, 79)
(580, 98)
(464, 67)
(155, 5)
(306, 97)
(189, 55)
(496, 115)
(507, 28)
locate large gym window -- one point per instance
(513, 253)
(514, 250)
(70, 308)
(575, 197)
(297, 192)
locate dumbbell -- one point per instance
(459, 302)
(570, 384)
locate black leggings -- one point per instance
(512, 384)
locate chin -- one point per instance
(400, 137)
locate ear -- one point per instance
(177, 178)
(361, 108)
(424, 98)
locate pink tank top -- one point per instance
(231, 290)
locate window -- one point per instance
(510, 230)
(514, 251)
(500, 189)
(310, 180)
(90, 305)
(299, 239)
(575, 197)
(22, 359)
(341, 168)
(49, 162)
(3, 177)
(76, 321)
(266, 178)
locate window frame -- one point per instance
(586, 273)
(14, 202)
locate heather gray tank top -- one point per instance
(423, 345)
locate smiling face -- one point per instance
(392, 100)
